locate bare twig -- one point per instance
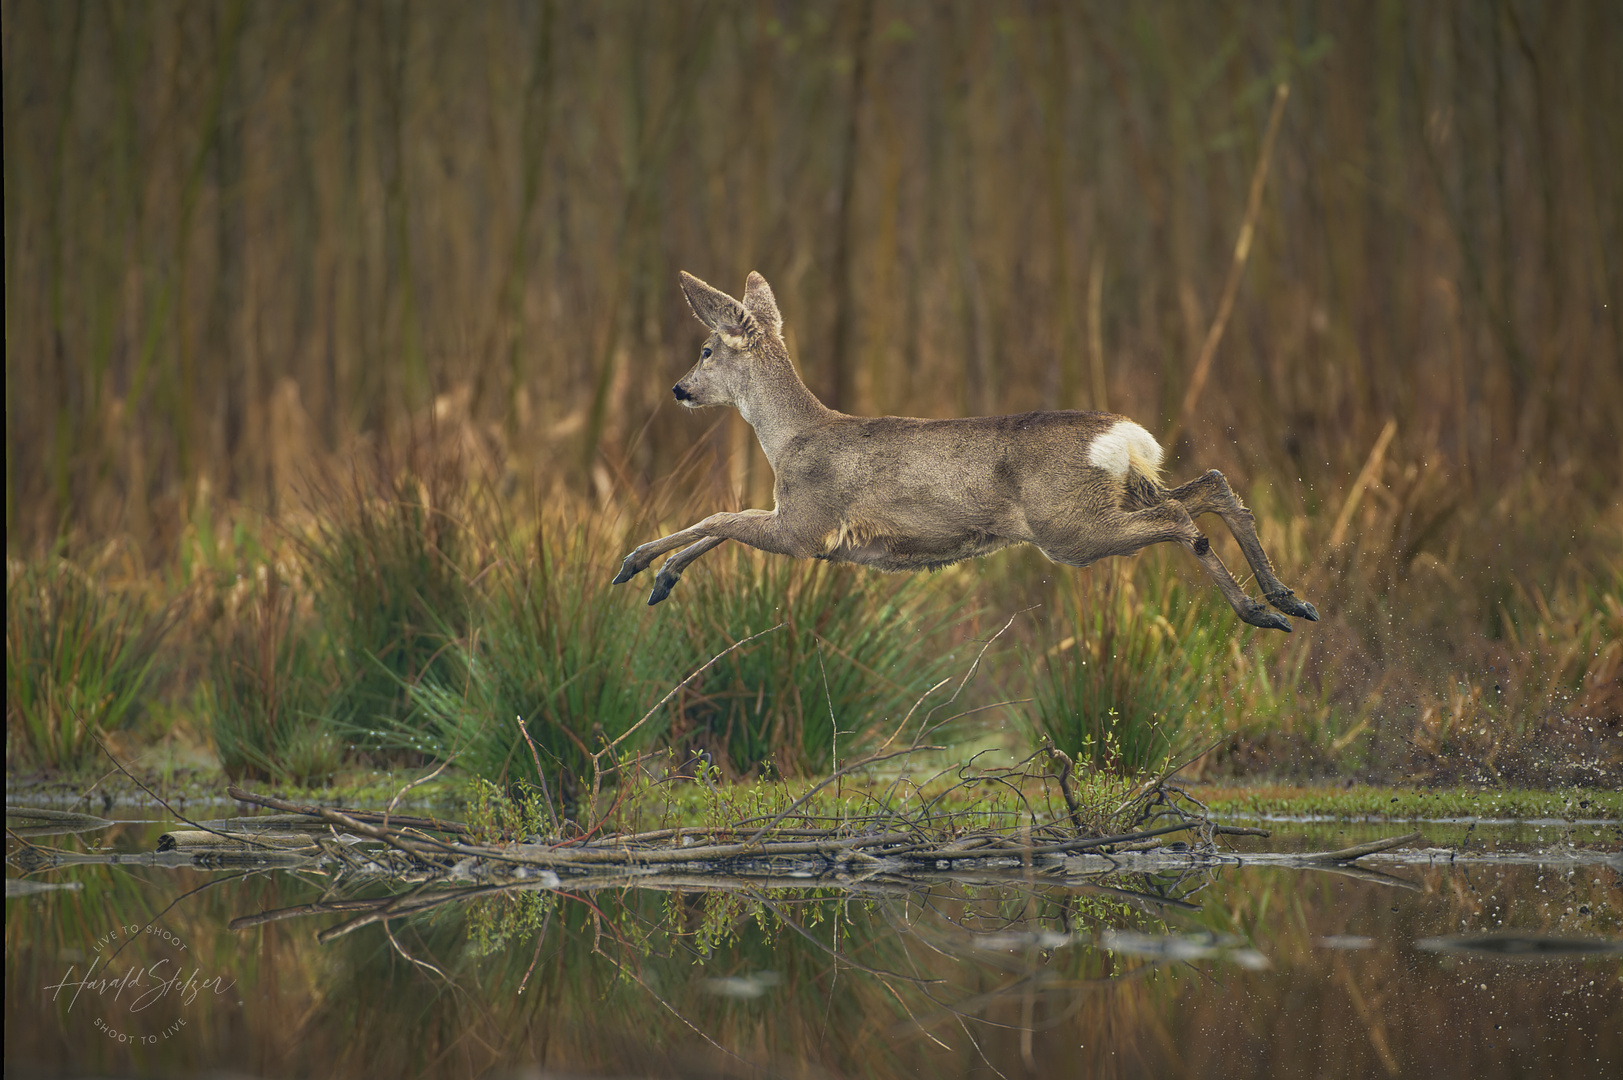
(842, 957)
(327, 907)
(420, 780)
(851, 768)
(1066, 768)
(634, 977)
(1358, 851)
(1105, 841)
(535, 958)
(1156, 784)
(535, 756)
(273, 803)
(970, 674)
(407, 956)
(900, 727)
(211, 883)
(164, 803)
(833, 721)
(673, 691)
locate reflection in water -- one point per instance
(1228, 972)
(1520, 946)
(1203, 946)
(742, 986)
(1352, 942)
(28, 887)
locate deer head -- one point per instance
(745, 342)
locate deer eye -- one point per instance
(706, 354)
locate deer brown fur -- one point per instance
(898, 493)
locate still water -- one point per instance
(1501, 962)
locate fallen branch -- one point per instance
(1358, 851)
(370, 816)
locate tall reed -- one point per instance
(215, 269)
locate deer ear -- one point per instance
(720, 312)
(759, 302)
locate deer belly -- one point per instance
(887, 548)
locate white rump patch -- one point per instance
(1126, 446)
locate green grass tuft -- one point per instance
(386, 574)
(1124, 662)
(1409, 804)
(272, 686)
(557, 649)
(856, 650)
(79, 658)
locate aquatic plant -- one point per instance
(1413, 804)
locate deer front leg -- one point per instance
(671, 572)
(1211, 494)
(644, 556)
(757, 528)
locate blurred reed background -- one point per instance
(242, 239)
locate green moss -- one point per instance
(1399, 804)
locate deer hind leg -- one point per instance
(1211, 494)
(1131, 531)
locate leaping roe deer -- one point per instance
(897, 493)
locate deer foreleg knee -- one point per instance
(763, 529)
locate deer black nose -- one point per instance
(681, 394)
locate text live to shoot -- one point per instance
(136, 989)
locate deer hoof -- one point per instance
(663, 584)
(1266, 619)
(1286, 601)
(628, 570)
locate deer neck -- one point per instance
(780, 407)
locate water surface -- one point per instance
(1492, 965)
